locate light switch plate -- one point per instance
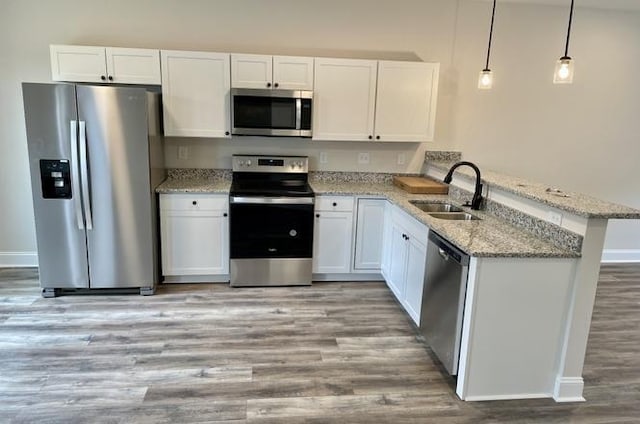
(183, 152)
(402, 158)
(324, 158)
(363, 158)
(554, 217)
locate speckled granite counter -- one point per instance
(194, 185)
(576, 203)
(196, 181)
(488, 237)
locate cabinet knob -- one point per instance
(317, 215)
(110, 78)
(103, 78)
(335, 204)
(370, 137)
(276, 85)
(377, 137)
(225, 214)
(194, 202)
(268, 84)
(226, 133)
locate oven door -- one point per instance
(262, 227)
(271, 112)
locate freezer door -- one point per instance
(114, 149)
(50, 117)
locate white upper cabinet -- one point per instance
(344, 99)
(104, 64)
(133, 66)
(293, 72)
(406, 101)
(196, 94)
(265, 71)
(361, 100)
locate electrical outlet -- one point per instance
(183, 152)
(554, 217)
(324, 158)
(363, 158)
(402, 158)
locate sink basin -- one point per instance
(457, 216)
(435, 207)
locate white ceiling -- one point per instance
(598, 4)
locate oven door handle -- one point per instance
(272, 200)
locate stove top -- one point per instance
(270, 176)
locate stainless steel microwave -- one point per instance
(271, 112)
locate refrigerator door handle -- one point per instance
(84, 171)
(75, 177)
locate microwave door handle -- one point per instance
(298, 113)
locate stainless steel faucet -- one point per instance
(477, 195)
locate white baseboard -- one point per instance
(620, 255)
(506, 397)
(568, 389)
(18, 259)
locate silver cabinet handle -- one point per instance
(84, 171)
(75, 177)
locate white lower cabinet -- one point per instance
(333, 232)
(404, 259)
(368, 241)
(194, 234)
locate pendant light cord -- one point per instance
(566, 47)
(493, 14)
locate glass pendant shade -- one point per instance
(485, 79)
(564, 71)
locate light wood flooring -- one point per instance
(330, 353)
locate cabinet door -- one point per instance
(332, 242)
(194, 243)
(369, 223)
(78, 63)
(196, 90)
(293, 72)
(251, 71)
(397, 262)
(344, 99)
(416, 260)
(385, 263)
(133, 66)
(406, 101)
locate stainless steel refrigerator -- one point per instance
(95, 156)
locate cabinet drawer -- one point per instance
(334, 203)
(193, 202)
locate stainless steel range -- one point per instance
(271, 221)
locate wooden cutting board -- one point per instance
(419, 185)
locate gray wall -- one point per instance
(581, 137)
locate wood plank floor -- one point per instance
(330, 353)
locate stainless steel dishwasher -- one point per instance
(443, 295)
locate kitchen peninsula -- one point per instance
(531, 282)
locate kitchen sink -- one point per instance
(457, 216)
(435, 207)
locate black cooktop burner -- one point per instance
(271, 186)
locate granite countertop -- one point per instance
(576, 203)
(194, 185)
(487, 237)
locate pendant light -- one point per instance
(564, 66)
(485, 79)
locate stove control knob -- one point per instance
(241, 162)
(249, 162)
